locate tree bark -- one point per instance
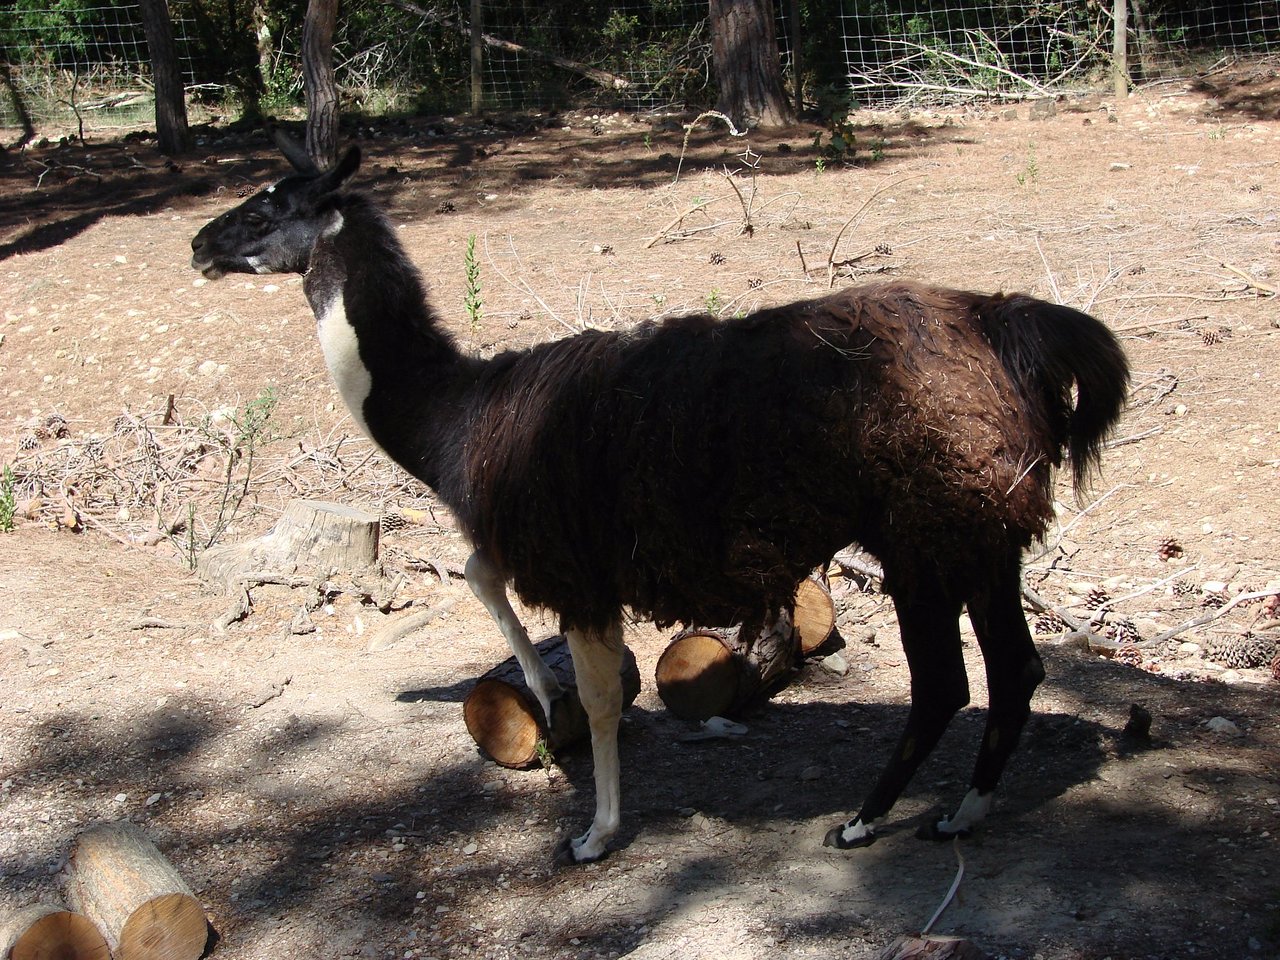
(171, 105)
(504, 717)
(718, 672)
(744, 54)
(320, 87)
(45, 931)
(126, 886)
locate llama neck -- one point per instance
(399, 373)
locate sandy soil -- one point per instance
(325, 800)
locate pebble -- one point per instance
(208, 368)
(471, 848)
(835, 664)
(1224, 726)
(812, 773)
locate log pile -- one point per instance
(145, 910)
(719, 672)
(46, 931)
(505, 719)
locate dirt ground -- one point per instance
(323, 798)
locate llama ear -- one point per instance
(332, 179)
(293, 151)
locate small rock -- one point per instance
(471, 848)
(208, 368)
(1224, 726)
(1120, 166)
(814, 772)
(835, 664)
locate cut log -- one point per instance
(815, 615)
(126, 886)
(717, 673)
(505, 719)
(311, 538)
(45, 931)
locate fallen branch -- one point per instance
(831, 257)
(1209, 617)
(1255, 284)
(385, 639)
(698, 205)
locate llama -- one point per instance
(695, 470)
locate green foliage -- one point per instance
(835, 103)
(471, 299)
(714, 301)
(1031, 170)
(8, 502)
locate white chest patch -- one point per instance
(342, 357)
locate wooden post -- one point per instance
(126, 886)
(1120, 49)
(46, 931)
(477, 56)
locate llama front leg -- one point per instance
(597, 663)
(489, 587)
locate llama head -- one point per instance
(275, 230)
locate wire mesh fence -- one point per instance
(87, 68)
(67, 67)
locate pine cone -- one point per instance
(1048, 623)
(28, 442)
(1169, 549)
(1129, 655)
(1182, 588)
(1249, 650)
(1212, 601)
(1123, 631)
(393, 521)
(1210, 337)
(717, 259)
(1096, 598)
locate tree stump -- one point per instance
(505, 719)
(126, 886)
(45, 931)
(707, 672)
(311, 538)
(815, 615)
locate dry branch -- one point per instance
(609, 81)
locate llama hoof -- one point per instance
(836, 837)
(567, 855)
(933, 830)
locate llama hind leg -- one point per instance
(597, 664)
(1014, 671)
(931, 640)
(491, 590)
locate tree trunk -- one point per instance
(320, 87)
(171, 105)
(126, 886)
(48, 932)
(311, 539)
(504, 717)
(19, 109)
(744, 53)
(717, 672)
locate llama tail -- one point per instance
(1048, 349)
